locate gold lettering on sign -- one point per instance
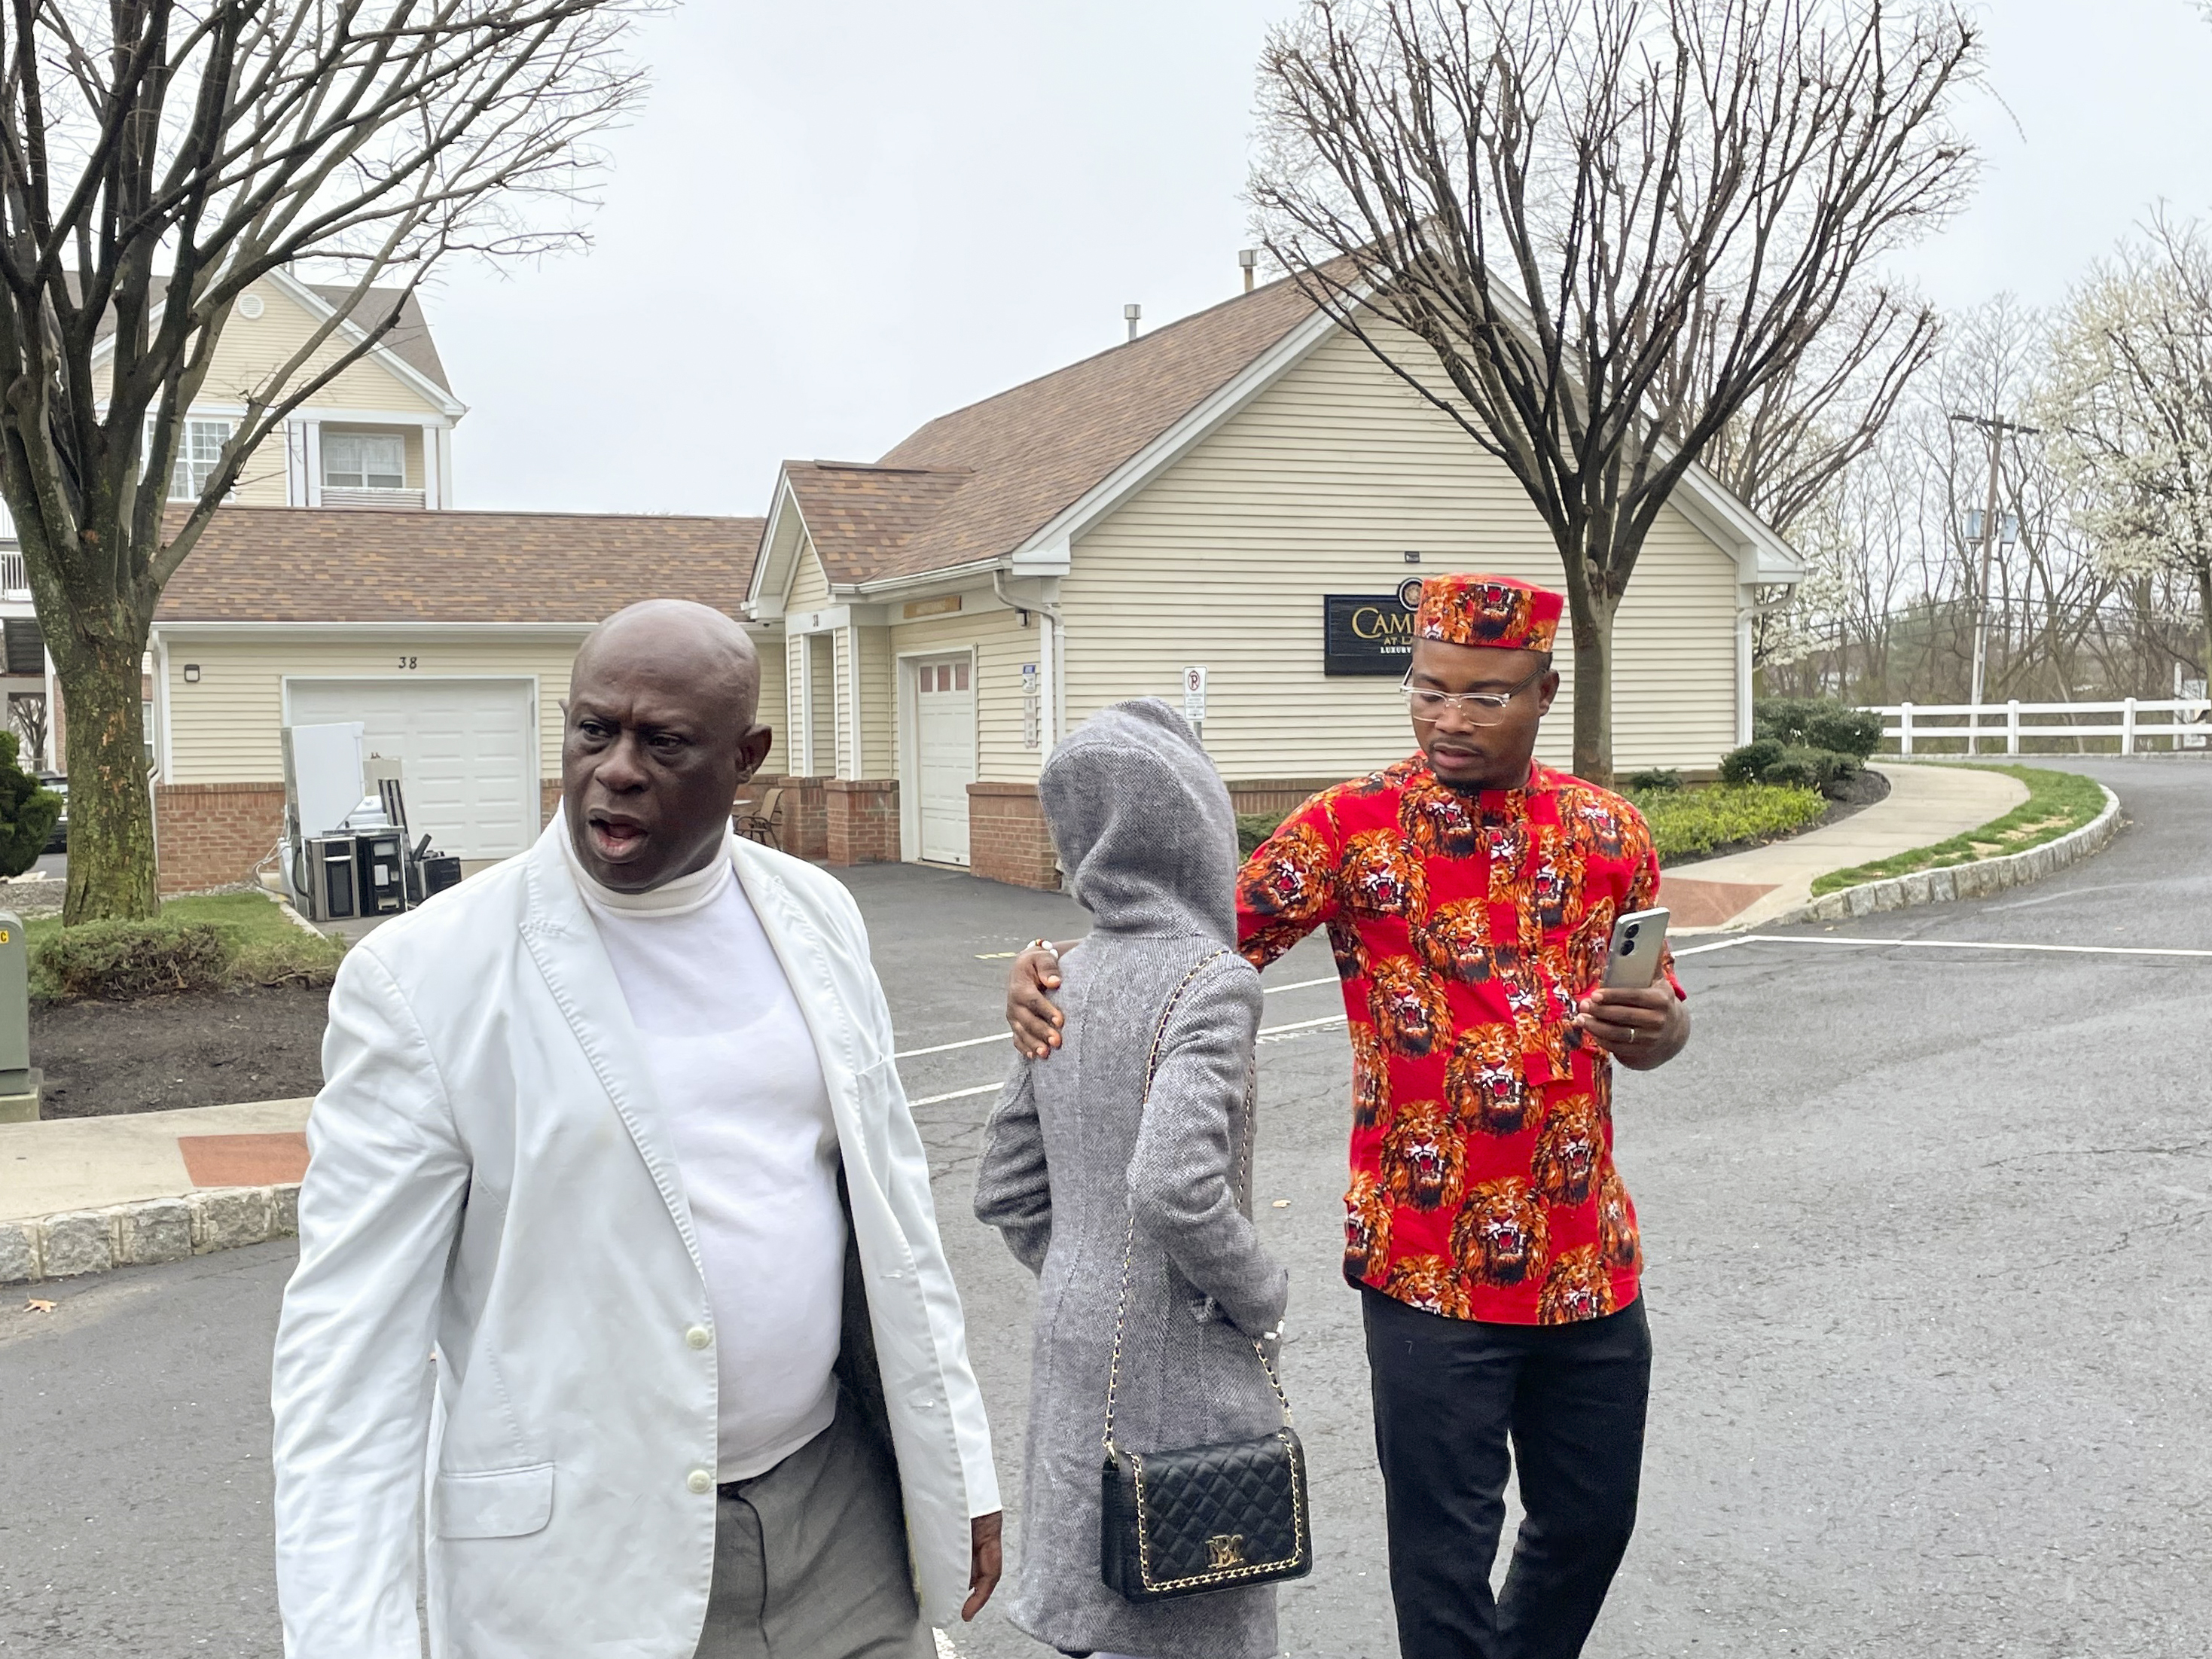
(1227, 1549)
(943, 606)
(1372, 622)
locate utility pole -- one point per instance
(1995, 426)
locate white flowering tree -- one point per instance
(2128, 408)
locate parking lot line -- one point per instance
(1002, 1037)
(1946, 944)
(958, 1094)
(947, 1048)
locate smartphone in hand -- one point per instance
(1632, 960)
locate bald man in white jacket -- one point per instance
(613, 1132)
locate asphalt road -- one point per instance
(1929, 1283)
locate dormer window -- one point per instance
(364, 460)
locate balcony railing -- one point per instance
(388, 499)
(15, 583)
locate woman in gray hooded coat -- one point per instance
(1144, 826)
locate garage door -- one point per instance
(945, 721)
(467, 749)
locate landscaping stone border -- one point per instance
(1961, 881)
(151, 1229)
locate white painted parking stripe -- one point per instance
(1302, 1024)
(947, 1047)
(958, 1094)
(988, 1088)
(1002, 1037)
(1944, 944)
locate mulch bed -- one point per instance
(208, 1048)
(1867, 787)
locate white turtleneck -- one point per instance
(743, 1099)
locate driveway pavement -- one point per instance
(1929, 1283)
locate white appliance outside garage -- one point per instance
(467, 750)
(944, 746)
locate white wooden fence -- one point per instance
(2186, 724)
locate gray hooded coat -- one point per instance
(1144, 825)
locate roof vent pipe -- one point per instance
(1130, 315)
(1249, 258)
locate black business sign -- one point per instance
(1369, 633)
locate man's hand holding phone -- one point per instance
(1640, 1026)
(1634, 1014)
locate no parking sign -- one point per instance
(1194, 696)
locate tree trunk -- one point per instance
(1593, 611)
(111, 852)
(2204, 614)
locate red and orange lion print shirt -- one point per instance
(1466, 927)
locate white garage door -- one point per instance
(467, 749)
(944, 722)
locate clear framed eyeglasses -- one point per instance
(1481, 708)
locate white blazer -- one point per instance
(490, 1175)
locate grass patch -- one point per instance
(257, 945)
(2057, 803)
(1686, 822)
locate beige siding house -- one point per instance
(1195, 499)
(380, 434)
(448, 635)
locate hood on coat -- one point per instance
(1143, 823)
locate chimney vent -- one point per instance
(1249, 258)
(1130, 315)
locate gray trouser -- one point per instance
(811, 1557)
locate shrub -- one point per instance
(300, 960)
(1253, 827)
(1658, 779)
(119, 959)
(1768, 760)
(1817, 723)
(1853, 732)
(1748, 764)
(27, 812)
(1686, 822)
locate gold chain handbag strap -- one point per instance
(1129, 1242)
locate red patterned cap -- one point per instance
(1491, 611)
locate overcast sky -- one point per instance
(834, 220)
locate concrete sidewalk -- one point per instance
(84, 1195)
(90, 1163)
(1925, 805)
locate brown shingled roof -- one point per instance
(329, 564)
(982, 480)
(861, 517)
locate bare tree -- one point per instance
(2130, 401)
(1614, 226)
(27, 712)
(156, 158)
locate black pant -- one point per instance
(1447, 1393)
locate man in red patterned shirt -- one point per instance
(1469, 893)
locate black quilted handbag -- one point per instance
(1205, 1517)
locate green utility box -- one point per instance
(18, 1080)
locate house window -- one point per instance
(199, 446)
(364, 460)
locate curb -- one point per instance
(152, 1230)
(1961, 881)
